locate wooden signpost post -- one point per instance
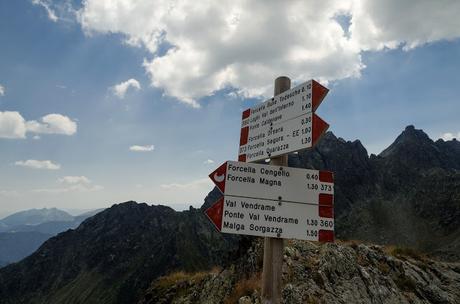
(275, 201)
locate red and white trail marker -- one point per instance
(251, 216)
(276, 183)
(283, 124)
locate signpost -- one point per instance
(275, 201)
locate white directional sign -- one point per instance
(280, 138)
(283, 124)
(249, 216)
(299, 100)
(275, 183)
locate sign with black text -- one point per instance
(265, 218)
(275, 183)
(273, 140)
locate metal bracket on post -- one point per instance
(274, 247)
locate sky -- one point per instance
(104, 101)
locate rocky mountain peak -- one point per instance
(410, 138)
(413, 149)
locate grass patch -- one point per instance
(399, 251)
(244, 287)
(180, 276)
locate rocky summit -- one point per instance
(408, 197)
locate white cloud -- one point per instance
(72, 184)
(47, 6)
(208, 162)
(449, 136)
(9, 193)
(72, 180)
(38, 164)
(53, 124)
(120, 89)
(146, 148)
(13, 125)
(193, 185)
(392, 23)
(74, 188)
(2, 90)
(246, 44)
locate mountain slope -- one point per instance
(111, 257)
(18, 245)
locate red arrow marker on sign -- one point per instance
(318, 94)
(319, 128)
(215, 213)
(218, 177)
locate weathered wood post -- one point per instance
(274, 247)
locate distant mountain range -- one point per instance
(408, 195)
(36, 217)
(23, 232)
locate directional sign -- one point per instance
(280, 138)
(275, 183)
(283, 124)
(249, 216)
(302, 99)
